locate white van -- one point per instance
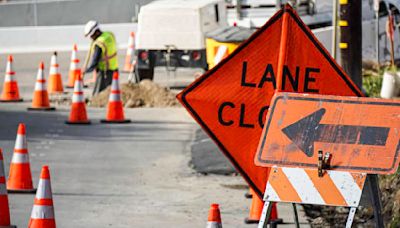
(171, 33)
(255, 13)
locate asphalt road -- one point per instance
(131, 175)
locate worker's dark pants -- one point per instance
(103, 80)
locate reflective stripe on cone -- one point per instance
(42, 212)
(214, 225)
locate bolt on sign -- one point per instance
(231, 100)
(361, 134)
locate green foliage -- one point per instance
(372, 82)
(395, 222)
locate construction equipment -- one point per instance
(180, 40)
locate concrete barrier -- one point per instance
(68, 12)
(56, 38)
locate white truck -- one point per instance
(317, 14)
(171, 33)
(255, 13)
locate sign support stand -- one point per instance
(350, 218)
(375, 199)
(296, 216)
(266, 213)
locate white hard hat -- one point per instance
(91, 27)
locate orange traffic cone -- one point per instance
(129, 52)
(214, 217)
(40, 96)
(55, 82)
(42, 215)
(74, 70)
(78, 110)
(10, 87)
(274, 215)
(115, 111)
(255, 210)
(20, 178)
(4, 208)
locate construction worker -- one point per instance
(102, 56)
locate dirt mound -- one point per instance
(146, 94)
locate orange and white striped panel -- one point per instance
(296, 185)
(220, 53)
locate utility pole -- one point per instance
(351, 39)
(376, 9)
(351, 56)
(334, 28)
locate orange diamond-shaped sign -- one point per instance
(231, 100)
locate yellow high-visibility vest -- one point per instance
(108, 46)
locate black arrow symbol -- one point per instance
(308, 130)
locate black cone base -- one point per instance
(41, 109)
(116, 121)
(251, 221)
(10, 101)
(78, 123)
(248, 195)
(27, 191)
(254, 221)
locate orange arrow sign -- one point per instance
(361, 134)
(231, 100)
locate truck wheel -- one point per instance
(145, 74)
